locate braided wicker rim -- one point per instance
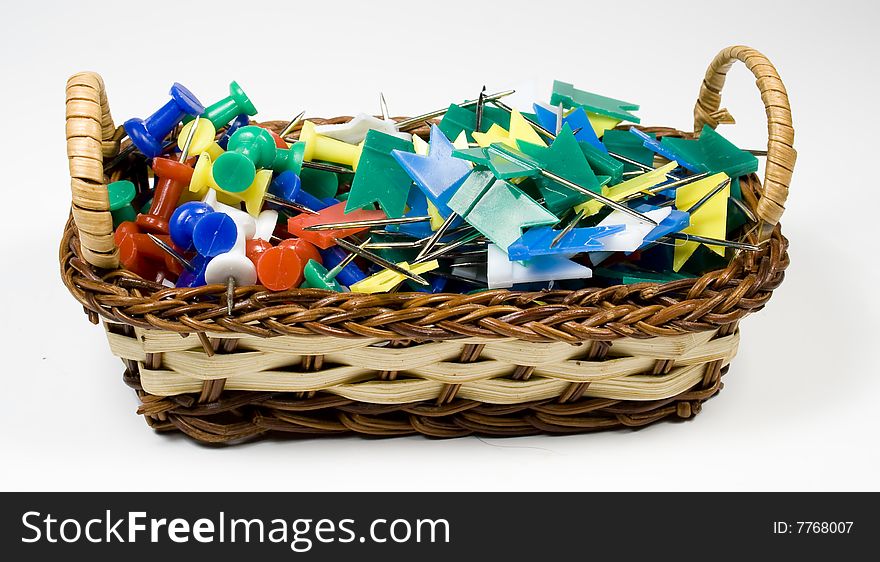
(644, 310)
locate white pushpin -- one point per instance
(501, 273)
(355, 131)
(631, 238)
(233, 268)
(265, 224)
(242, 219)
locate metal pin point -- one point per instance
(745, 209)
(437, 235)
(383, 107)
(481, 101)
(172, 252)
(230, 295)
(547, 133)
(568, 228)
(598, 196)
(413, 122)
(184, 153)
(288, 204)
(714, 241)
(292, 124)
(364, 223)
(378, 260)
(715, 190)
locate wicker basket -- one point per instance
(499, 362)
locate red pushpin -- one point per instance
(141, 255)
(255, 247)
(172, 178)
(335, 213)
(280, 268)
(303, 248)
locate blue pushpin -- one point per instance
(540, 241)
(242, 120)
(577, 120)
(652, 144)
(676, 221)
(196, 277)
(438, 174)
(184, 219)
(288, 186)
(214, 234)
(147, 134)
(350, 274)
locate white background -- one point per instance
(799, 409)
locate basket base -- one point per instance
(237, 416)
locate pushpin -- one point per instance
(172, 252)
(265, 224)
(291, 125)
(438, 174)
(634, 187)
(317, 277)
(288, 187)
(350, 272)
(183, 221)
(121, 193)
(255, 247)
(232, 268)
(576, 119)
(414, 122)
(335, 213)
(225, 110)
(255, 194)
(521, 129)
(462, 121)
(624, 143)
(546, 241)
(138, 253)
(319, 147)
(214, 234)
(240, 121)
(242, 219)
(250, 148)
(148, 134)
(399, 269)
(380, 179)
(388, 280)
(712, 153)
(634, 233)
(355, 130)
(503, 273)
(303, 248)
(524, 165)
(711, 219)
(201, 133)
(567, 94)
(279, 268)
(652, 144)
(171, 179)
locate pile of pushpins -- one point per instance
(567, 195)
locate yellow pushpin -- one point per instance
(623, 190)
(202, 139)
(709, 220)
(320, 147)
(386, 280)
(601, 123)
(520, 129)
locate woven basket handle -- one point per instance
(781, 154)
(91, 135)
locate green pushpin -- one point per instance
(602, 163)
(250, 148)
(713, 153)
(121, 193)
(289, 159)
(317, 277)
(503, 211)
(470, 191)
(319, 183)
(379, 178)
(227, 109)
(630, 146)
(458, 119)
(565, 158)
(570, 96)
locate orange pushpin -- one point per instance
(333, 214)
(303, 248)
(280, 268)
(256, 247)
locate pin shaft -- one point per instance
(292, 124)
(327, 167)
(378, 260)
(598, 196)
(365, 223)
(184, 152)
(703, 200)
(172, 252)
(713, 241)
(412, 122)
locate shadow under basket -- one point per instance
(498, 362)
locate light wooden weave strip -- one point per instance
(781, 155)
